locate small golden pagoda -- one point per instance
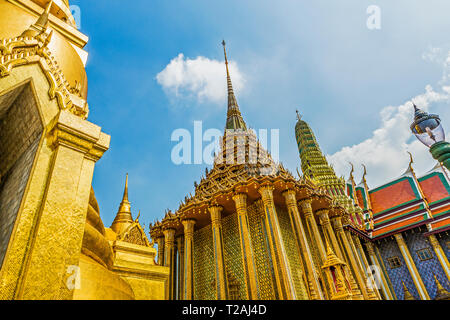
(254, 231)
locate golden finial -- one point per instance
(41, 24)
(139, 214)
(43, 19)
(125, 191)
(225, 53)
(299, 116)
(442, 294)
(407, 294)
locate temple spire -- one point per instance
(234, 117)
(125, 191)
(123, 218)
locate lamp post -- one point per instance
(428, 129)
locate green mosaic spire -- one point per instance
(316, 167)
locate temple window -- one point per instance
(394, 262)
(424, 254)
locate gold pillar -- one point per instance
(440, 255)
(371, 284)
(302, 244)
(312, 226)
(160, 243)
(383, 282)
(331, 236)
(329, 232)
(48, 234)
(418, 282)
(220, 274)
(280, 263)
(169, 260)
(180, 247)
(188, 259)
(350, 254)
(240, 201)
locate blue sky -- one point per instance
(350, 83)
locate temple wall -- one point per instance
(416, 241)
(388, 248)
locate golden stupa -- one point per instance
(53, 244)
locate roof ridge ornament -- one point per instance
(299, 116)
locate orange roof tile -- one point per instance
(392, 195)
(433, 187)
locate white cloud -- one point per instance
(385, 153)
(201, 78)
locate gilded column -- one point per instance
(180, 247)
(353, 263)
(440, 255)
(240, 201)
(312, 225)
(169, 260)
(160, 243)
(418, 282)
(328, 231)
(188, 259)
(47, 240)
(331, 236)
(302, 243)
(281, 267)
(221, 282)
(381, 277)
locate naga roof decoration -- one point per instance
(32, 47)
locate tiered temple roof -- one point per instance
(407, 202)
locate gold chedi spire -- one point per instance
(442, 294)
(234, 117)
(123, 218)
